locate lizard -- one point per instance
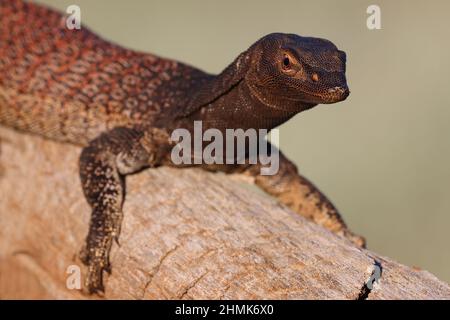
(120, 106)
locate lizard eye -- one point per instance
(286, 62)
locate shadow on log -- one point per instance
(187, 234)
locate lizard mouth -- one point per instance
(332, 95)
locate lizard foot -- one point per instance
(357, 240)
(97, 260)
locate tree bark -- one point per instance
(187, 234)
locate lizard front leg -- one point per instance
(103, 165)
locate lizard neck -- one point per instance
(244, 107)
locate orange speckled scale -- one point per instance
(71, 85)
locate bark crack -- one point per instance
(375, 277)
(156, 269)
(192, 285)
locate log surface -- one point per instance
(187, 234)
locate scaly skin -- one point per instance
(121, 106)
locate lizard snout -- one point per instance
(339, 93)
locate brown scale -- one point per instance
(122, 105)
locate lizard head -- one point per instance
(295, 68)
(286, 72)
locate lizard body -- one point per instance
(121, 106)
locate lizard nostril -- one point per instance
(315, 77)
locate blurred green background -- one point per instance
(382, 155)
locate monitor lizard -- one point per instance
(121, 106)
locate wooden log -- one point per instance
(187, 234)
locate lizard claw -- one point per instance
(94, 280)
(97, 261)
(356, 239)
(84, 255)
(116, 240)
